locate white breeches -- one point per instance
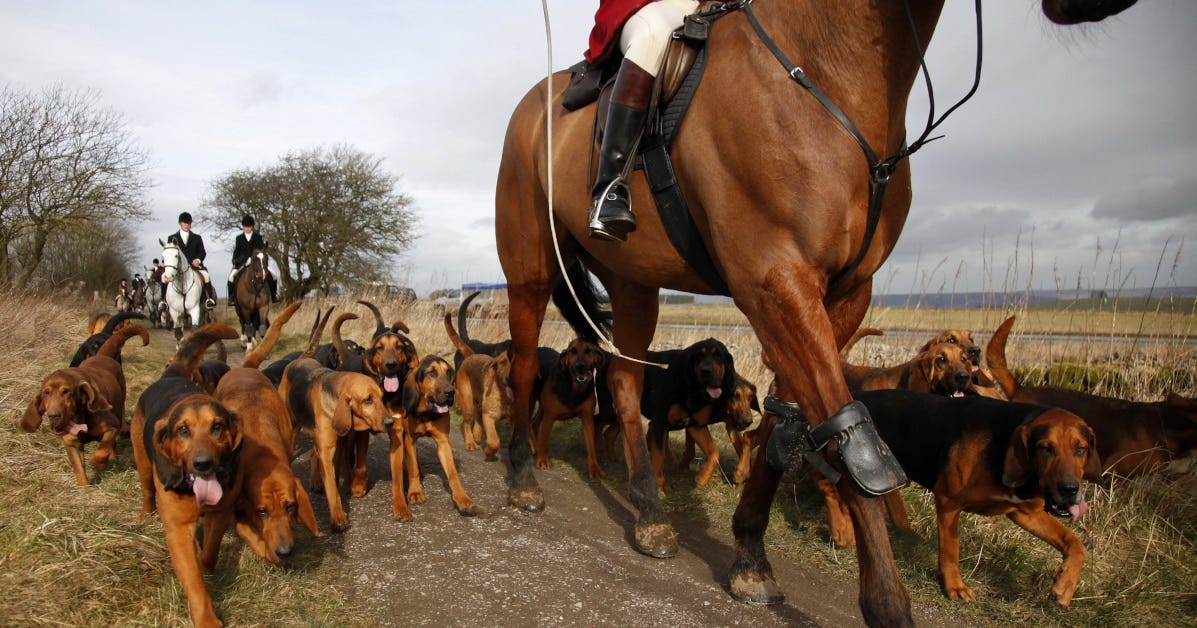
(645, 36)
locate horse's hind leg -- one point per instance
(634, 309)
(527, 306)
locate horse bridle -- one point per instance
(880, 170)
(178, 270)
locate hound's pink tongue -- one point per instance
(441, 409)
(77, 428)
(714, 392)
(390, 384)
(1078, 509)
(207, 491)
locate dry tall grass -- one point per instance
(59, 542)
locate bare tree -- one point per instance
(331, 216)
(95, 257)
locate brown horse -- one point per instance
(781, 196)
(252, 299)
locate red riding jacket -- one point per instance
(608, 20)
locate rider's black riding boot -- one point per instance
(232, 294)
(210, 293)
(611, 214)
(273, 283)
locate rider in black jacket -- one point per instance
(192, 246)
(244, 246)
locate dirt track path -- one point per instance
(571, 565)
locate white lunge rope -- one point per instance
(606, 343)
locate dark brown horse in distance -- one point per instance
(252, 300)
(780, 193)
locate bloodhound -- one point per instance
(470, 382)
(982, 382)
(86, 403)
(333, 407)
(187, 447)
(944, 369)
(94, 341)
(483, 392)
(993, 458)
(427, 395)
(696, 378)
(566, 389)
(1133, 437)
(271, 497)
(735, 412)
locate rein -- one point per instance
(880, 170)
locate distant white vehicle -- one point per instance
(482, 299)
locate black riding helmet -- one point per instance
(185, 217)
(247, 221)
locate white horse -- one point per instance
(154, 304)
(184, 289)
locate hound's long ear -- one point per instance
(754, 404)
(305, 514)
(169, 471)
(918, 377)
(342, 418)
(1017, 469)
(92, 399)
(411, 392)
(32, 419)
(1093, 466)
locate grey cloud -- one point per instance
(1153, 200)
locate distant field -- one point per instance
(1179, 323)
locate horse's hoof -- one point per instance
(755, 588)
(658, 540)
(530, 499)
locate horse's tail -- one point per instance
(589, 300)
(995, 358)
(380, 327)
(191, 352)
(337, 342)
(461, 345)
(462, 313)
(119, 318)
(317, 331)
(262, 351)
(112, 347)
(856, 336)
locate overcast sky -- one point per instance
(1076, 158)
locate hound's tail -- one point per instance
(860, 333)
(995, 357)
(317, 331)
(461, 345)
(337, 342)
(463, 312)
(262, 351)
(118, 319)
(112, 347)
(191, 352)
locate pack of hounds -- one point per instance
(218, 442)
